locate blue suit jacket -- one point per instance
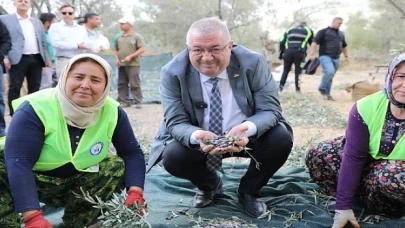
(17, 38)
(255, 91)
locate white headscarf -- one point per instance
(75, 115)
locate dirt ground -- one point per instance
(147, 120)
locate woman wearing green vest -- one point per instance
(58, 141)
(369, 161)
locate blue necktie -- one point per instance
(214, 162)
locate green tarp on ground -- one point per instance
(286, 194)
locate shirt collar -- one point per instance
(222, 75)
(21, 18)
(64, 23)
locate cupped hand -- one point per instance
(202, 136)
(238, 131)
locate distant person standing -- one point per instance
(115, 68)
(128, 50)
(331, 43)
(47, 20)
(96, 41)
(5, 47)
(293, 50)
(67, 37)
(29, 52)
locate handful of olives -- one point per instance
(222, 141)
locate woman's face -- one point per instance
(85, 83)
(398, 83)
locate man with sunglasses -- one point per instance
(67, 37)
(215, 88)
(29, 52)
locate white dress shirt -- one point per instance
(66, 38)
(232, 115)
(30, 38)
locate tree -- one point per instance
(167, 22)
(386, 25)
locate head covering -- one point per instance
(392, 68)
(129, 20)
(75, 115)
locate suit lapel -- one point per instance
(35, 28)
(237, 81)
(17, 24)
(195, 91)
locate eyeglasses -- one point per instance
(200, 51)
(70, 13)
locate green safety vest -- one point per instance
(57, 151)
(373, 110)
(304, 43)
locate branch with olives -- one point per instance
(223, 142)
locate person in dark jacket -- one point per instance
(215, 88)
(293, 50)
(331, 43)
(5, 47)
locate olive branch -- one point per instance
(223, 142)
(114, 213)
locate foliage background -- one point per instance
(371, 31)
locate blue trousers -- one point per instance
(329, 67)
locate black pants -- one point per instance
(296, 57)
(30, 66)
(271, 149)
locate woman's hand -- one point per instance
(35, 220)
(342, 217)
(135, 197)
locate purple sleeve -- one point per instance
(24, 141)
(354, 158)
(130, 151)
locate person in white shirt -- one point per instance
(67, 37)
(215, 88)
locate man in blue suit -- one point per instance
(214, 84)
(28, 53)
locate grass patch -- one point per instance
(306, 110)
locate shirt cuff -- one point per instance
(193, 140)
(252, 128)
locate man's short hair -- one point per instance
(66, 6)
(207, 26)
(46, 17)
(337, 19)
(88, 16)
(80, 22)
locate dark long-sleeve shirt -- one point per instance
(24, 142)
(356, 152)
(5, 43)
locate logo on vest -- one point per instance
(96, 148)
